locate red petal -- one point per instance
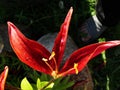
(3, 77)
(60, 41)
(28, 51)
(83, 55)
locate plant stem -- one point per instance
(52, 80)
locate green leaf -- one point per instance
(66, 80)
(44, 77)
(41, 84)
(25, 85)
(62, 83)
(57, 81)
(38, 83)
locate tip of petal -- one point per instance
(9, 23)
(68, 17)
(71, 9)
(3, 77)
(11, 27)
(6, 68)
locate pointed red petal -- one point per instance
(3, 77)
(60, 41)
(28, 51)
(83, 55)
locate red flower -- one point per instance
(39, 58)
(3, 77)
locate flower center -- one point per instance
(52, 57)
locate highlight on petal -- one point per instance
(60, 41)
(83, 55)
(3, 77)
(28, 51)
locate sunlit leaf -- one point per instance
(41, 84)
(25, 85)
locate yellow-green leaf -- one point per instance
(41, 84)
(25, 85)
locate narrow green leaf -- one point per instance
(66, 80)
(62, 83)
(57, 81)
(44, 77)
